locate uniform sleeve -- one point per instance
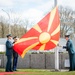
(9, 44)
(69, 44)
(64, 47)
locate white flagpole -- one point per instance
(56, 50)
(56, 59)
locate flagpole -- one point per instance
(56, 49)
(55, 3)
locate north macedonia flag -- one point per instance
(43, 36)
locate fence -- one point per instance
(38, 61)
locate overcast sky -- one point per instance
(31, 9)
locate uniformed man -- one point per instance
(9, 52)
(70, 48)
(15, 55)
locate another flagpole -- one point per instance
(56, 49)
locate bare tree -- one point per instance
(3, 27)
(66, 20)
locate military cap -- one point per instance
(9, 35)
(67, 36)
(14, 37)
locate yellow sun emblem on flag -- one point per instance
(44, 37)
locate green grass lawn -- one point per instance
(40, 72)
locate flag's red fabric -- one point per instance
(43, 36)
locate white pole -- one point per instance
(56, 59)
(56, 50)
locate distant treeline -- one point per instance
(16, 30)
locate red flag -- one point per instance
(43, 36)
